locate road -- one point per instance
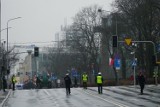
(118, 96)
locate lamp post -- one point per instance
(100, 11)
(0, 22)
(2, 51)
(134, 62)
(7, 39)
(0, 36)
(104, 21)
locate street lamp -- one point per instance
(0, 33)
(100, 11)
(104, 21)
(7, 36)
(2, 47)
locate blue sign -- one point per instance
(117, 63)
(74, 73)
(158, 48)
(53, 78)
(134, 63)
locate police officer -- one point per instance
(85, 80)
(99, 81)
(4, 83)
(68, 83)
(13, 82)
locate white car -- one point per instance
(19, 86)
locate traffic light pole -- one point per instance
(36, 54)
(134, 55)
(37, 66)
(145, 42)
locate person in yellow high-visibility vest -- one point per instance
(13, 82)
(85, 80)
(99, 81)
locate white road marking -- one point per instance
(46, 92)
(133, 99)
(109, 101)
(55, 102)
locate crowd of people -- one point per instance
(99, 81)
(68, 82)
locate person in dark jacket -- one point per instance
(68, 83)
(141, 81)
(4, 84)
(38, 83)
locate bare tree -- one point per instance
(141, 14)
(83, 39)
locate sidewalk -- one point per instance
(4, 96)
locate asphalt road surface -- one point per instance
(119, 96)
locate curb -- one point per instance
(7, 96)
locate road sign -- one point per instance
(158, 47)
(74, 73)
(117, 64)
(155, 74)
(134, 63)
(128, 41)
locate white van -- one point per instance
(19, 86)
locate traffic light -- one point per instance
(115, 41)
(36, 51)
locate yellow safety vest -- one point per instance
(84, 78)
(99, 79)
(14, 80)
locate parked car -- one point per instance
(19, 86)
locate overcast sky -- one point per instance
(41, 19)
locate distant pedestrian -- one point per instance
(13, 82)
(38, 83)
(141, 80)
(58, 83)
(137, 82)
(85, 80)
(75, 82)
(68, 83)
(132, 78)
(4, 83)
(99, 81)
